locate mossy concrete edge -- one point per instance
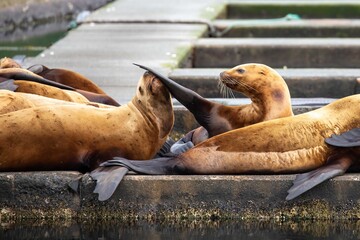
(47, 195)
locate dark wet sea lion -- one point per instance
(23, 74)
(346, 156)
(43, 89)
(263, 85)
(89, 135)
(66, 77)
(286, 145)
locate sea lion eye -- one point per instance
(240, 70)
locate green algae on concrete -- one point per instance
(175, 198)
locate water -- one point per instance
(224, 230)
(32, 40)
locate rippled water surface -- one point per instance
(181, 230)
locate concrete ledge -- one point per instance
(309, 28)
(279, 52)
(308, 82)
(45, 195)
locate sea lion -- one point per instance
(346, 156)
(66, 77)
(90, 135)
(26, 75)
(8, 63)
(285, 145)
(263, 85)
(14, 101)
(22, 86)
(23, 74)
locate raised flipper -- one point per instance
(9, 85)
(197, 105)
(336, 165)
(107, 180)
(23, 74)
(156, 166)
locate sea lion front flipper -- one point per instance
(306, 181)
(200, 107)
(107, 180)
(9, 85)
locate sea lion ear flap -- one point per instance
(107, 180)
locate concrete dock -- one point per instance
(173, 37)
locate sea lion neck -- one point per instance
(273, 102)
(160, 116)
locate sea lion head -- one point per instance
(153, 99)
(8, 63)
(252, 78)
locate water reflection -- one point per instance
(32, 40)
(180, 230)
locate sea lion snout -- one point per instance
(228, 80)
(155, 84)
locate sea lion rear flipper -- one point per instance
(350, 138)
(9, 85)
(200, 107)
(165, 148)
(107, 180)
(306, 181)
(184, 144)
(156, 166)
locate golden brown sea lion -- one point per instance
(13, 101)
(44, 90)
(286, 145)
(263, 85)
(346, 156)
(26, 75)
(8, 63)
(89, 135)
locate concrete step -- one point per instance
(305, 9)
(303, 83)
(278, 52)
(185, 121)
(287, 28)
(46, 196)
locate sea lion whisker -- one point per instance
(225, 91)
